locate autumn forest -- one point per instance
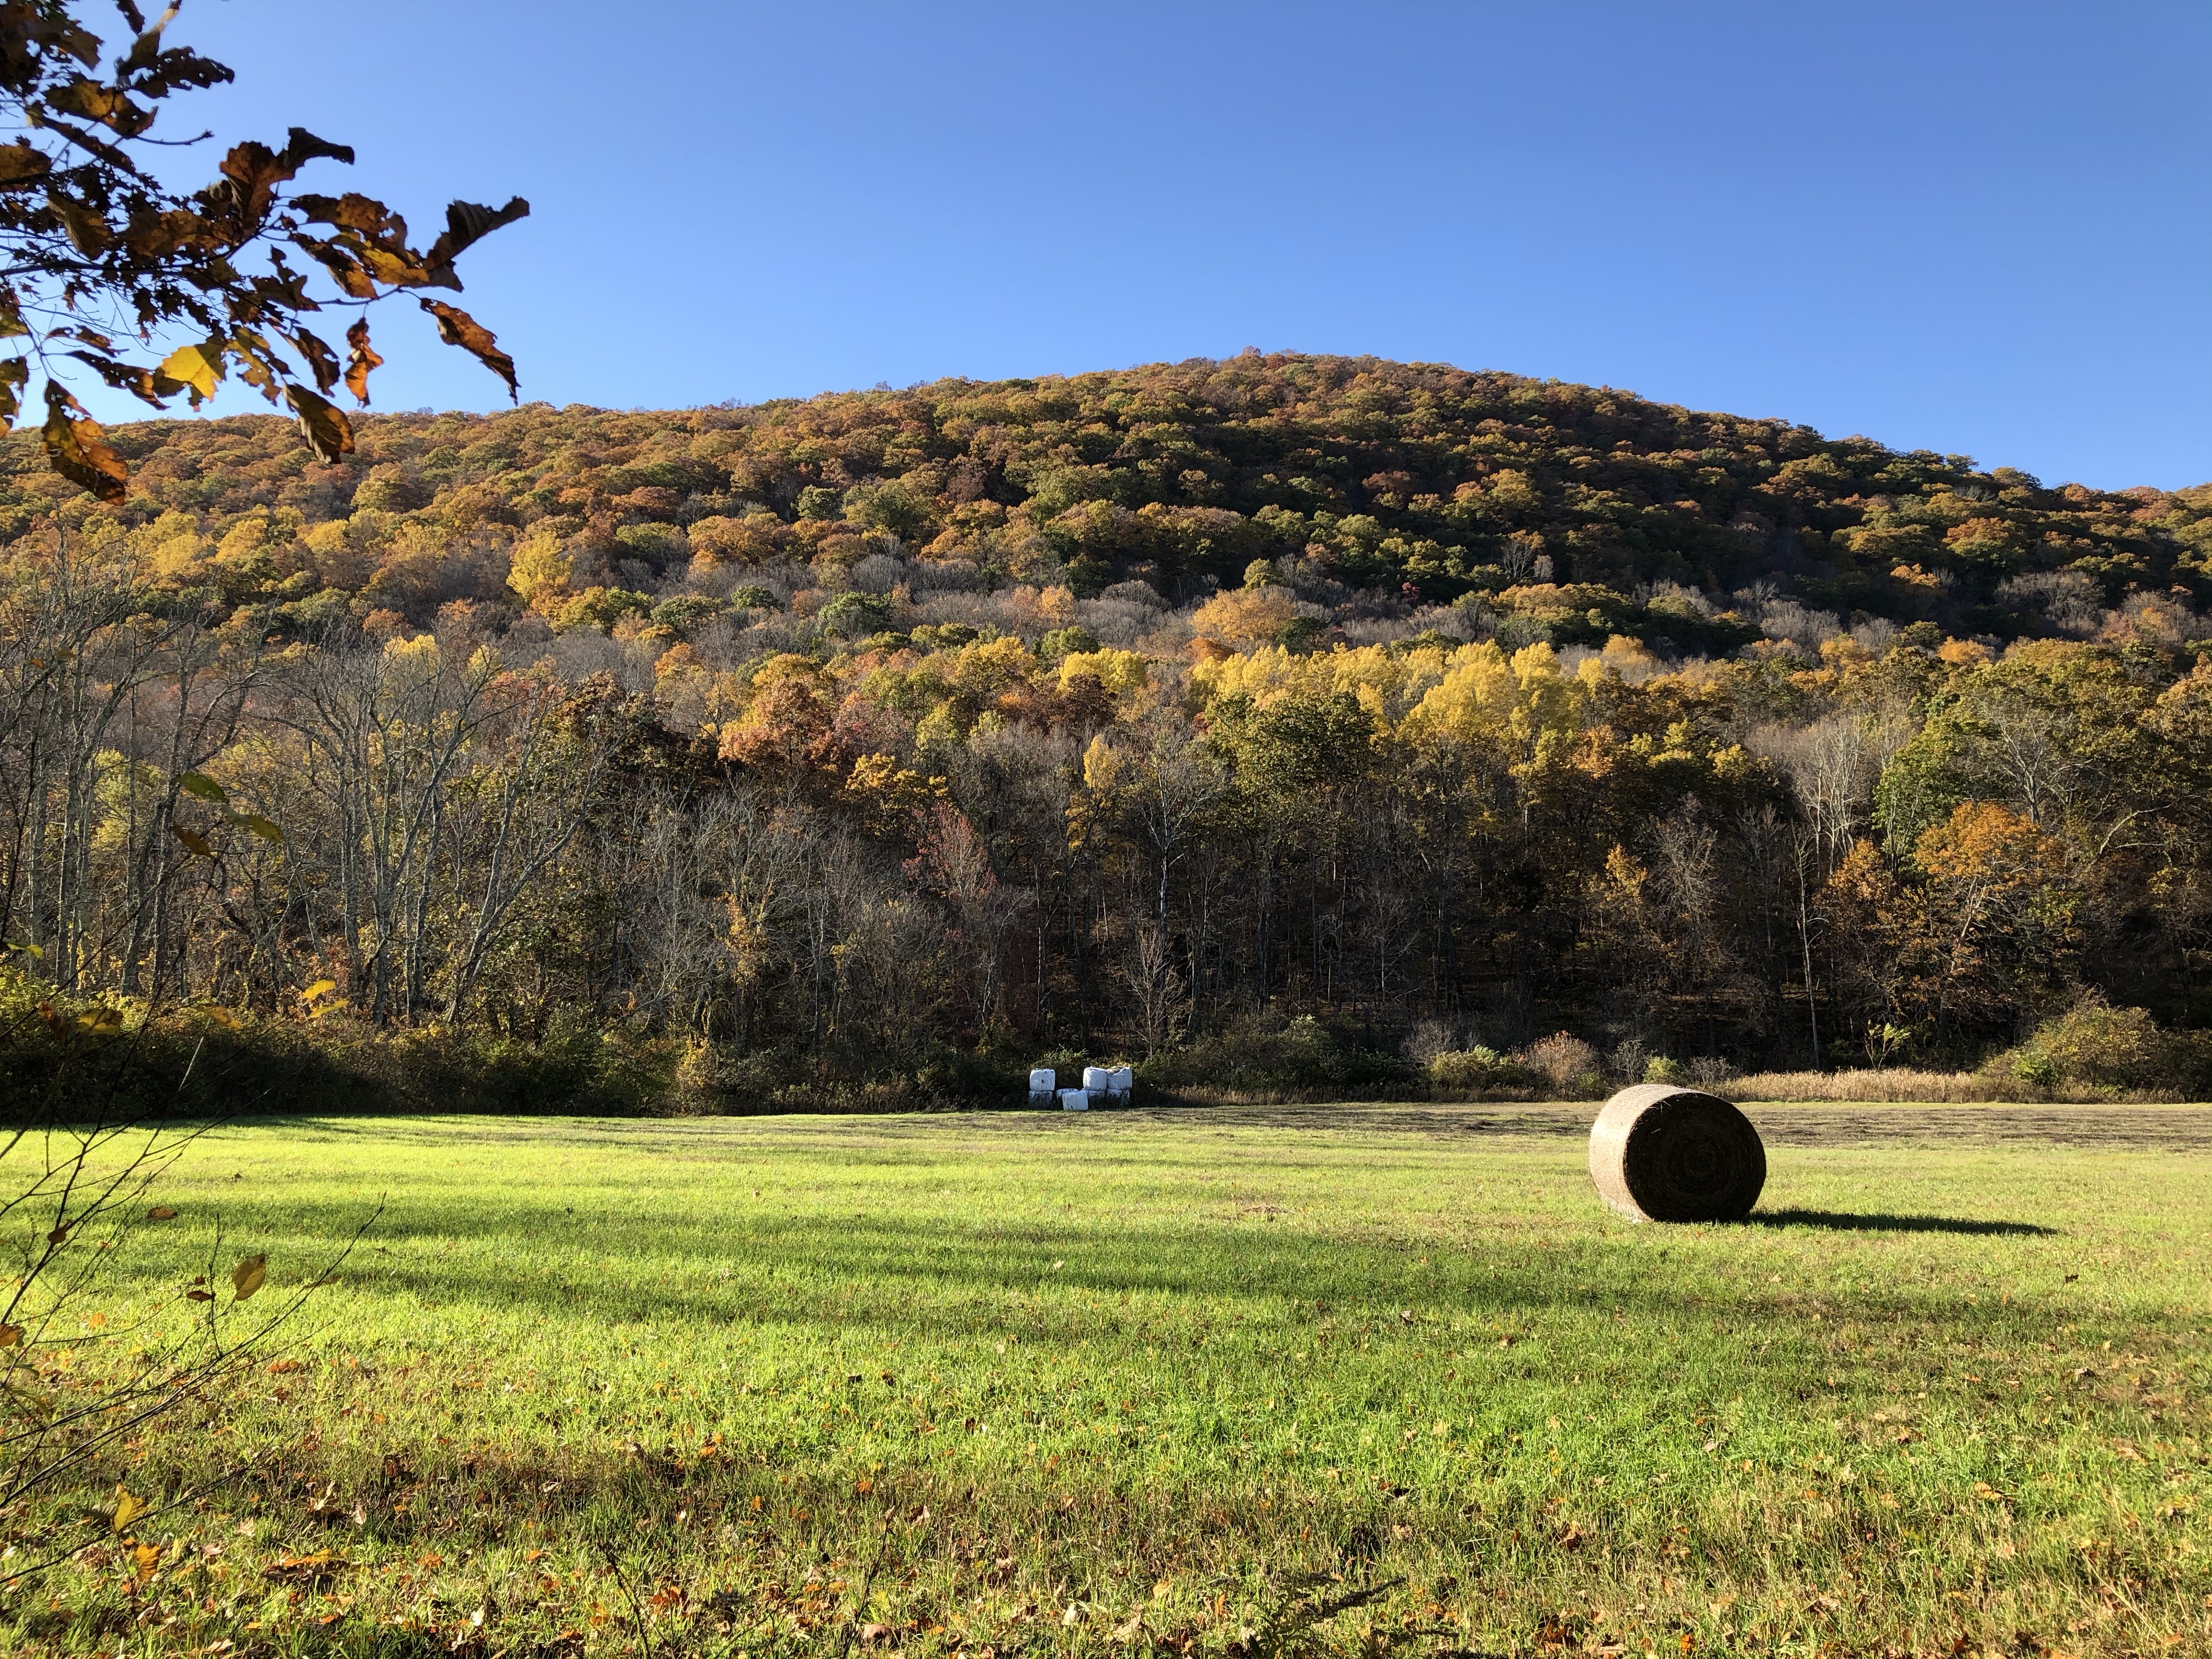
(1278, 722)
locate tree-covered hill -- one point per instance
(1546, 510)
(1284, 721)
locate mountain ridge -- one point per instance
(1539, 508)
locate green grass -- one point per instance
(1135, 1383)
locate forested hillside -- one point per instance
(1278, 717)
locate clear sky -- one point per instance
(1966, 227)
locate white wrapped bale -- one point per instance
(1120, 1081)
(1094, 1080)
(1662, 1154)
(1074, 1100)
(1043, 1080)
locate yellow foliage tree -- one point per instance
(540, 571)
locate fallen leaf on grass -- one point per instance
(321, 1564)
(127, 1507)
(249, 1275)
(282, 1367)
(160, 1213)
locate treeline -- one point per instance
(1283, 721)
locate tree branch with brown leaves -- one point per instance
(102, 267)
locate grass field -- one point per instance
(1221, 1383)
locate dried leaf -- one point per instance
(13, 374)
(64, 32)
(127, 1507)
(466, 224)
(147, 384)
(348, 272)
(324, 426)
(254, 171)
(282, 1367)
(152, 235)
(259, 365)
(302, 147)
(194, 842)
(160, 1213)
(395, 266)
(354, 212)
(201, 786)
(148, 46)
(321, 987)
(197, 367)
(457, 328)
(322, 362)
(146, 1558)
(76, 449)
(249, 1275)
(22, 165)
(179, 67)
(59, 1236)
(87, 230)
(360, 360)
(103, 105)
(199, 1295)
(263, 829)
(11, 1336)
(11, 315)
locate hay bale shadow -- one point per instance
(1837, 1221)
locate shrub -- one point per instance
(1476, 1068)
(1567, 1063)
(1302, 1055)
(2095, 1044)
(1660, 1069)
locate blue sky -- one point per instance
(1972, 227)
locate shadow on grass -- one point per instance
(1835, 1221)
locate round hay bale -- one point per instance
(1660, 1153)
